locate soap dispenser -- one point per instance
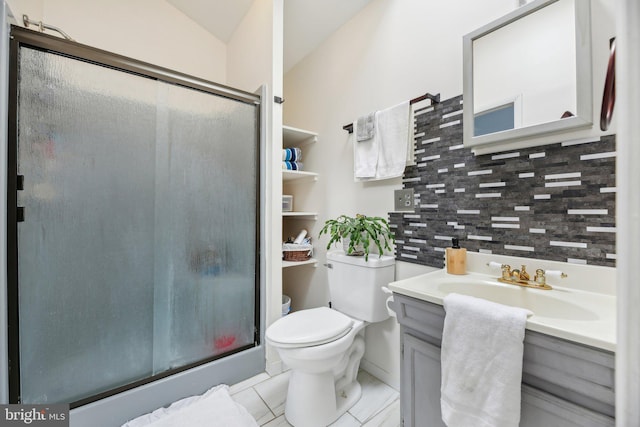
(456, 258)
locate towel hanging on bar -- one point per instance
(435, 99)
(385, 154)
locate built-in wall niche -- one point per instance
(554, 202)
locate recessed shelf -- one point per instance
(288, 175)
(286, 264)
(293, 137)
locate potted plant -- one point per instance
(358, 233)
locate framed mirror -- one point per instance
(528, 74)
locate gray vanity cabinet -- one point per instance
(420, 383)
(564, 384)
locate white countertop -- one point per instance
(567, 312)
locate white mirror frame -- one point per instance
(584, 113)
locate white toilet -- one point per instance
(323, 346)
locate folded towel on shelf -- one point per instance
(292, 166)
(392, 130)
(482, 350)
(365, 127)
(292, 154)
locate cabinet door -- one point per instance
(420, 385)
(542, 409)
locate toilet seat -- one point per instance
(306, 328)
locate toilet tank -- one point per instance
(355, 285)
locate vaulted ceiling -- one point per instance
(307, 23)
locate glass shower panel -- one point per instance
(205, 221)
(85, 251)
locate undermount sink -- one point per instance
(540, 302)
(565, 312)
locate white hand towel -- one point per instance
(482, 350)
(392, 132)
(365, 157)
(366, 127)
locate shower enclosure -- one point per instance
(133, 222)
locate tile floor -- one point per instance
(264, 397)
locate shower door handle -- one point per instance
(20, 209)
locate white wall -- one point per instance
(255, 58)
(628, 212)
(33, 8)
(390, 52)
(148, 30)
(250, 52)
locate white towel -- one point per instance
(365, 127)
(385, 155)
(392, 132)
(215, 408)
(482, 350)
(365, 157)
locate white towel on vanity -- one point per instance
(482, 350)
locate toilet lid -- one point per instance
(313, 326)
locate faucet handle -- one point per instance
(541, 275)
(506, 271)
(556, 273)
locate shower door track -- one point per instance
(21, 37)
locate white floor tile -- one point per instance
(236, 388)
(347, 420)
(255, 405)
(388, 417)
(264, 397)
(274, 392)
(376, 395)
(281, 421)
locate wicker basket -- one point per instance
(293, 252)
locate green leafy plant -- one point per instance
(361, 230)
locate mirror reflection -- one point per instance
(525, 73)
(529, 73)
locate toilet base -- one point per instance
(313, 401)
(319, 399)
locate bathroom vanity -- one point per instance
(568, 378)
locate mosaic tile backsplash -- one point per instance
(554, 202)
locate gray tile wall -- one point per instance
(554, 202)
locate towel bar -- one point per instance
(435, 99)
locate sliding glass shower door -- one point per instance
(136, 230)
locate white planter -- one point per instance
(358, 250)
